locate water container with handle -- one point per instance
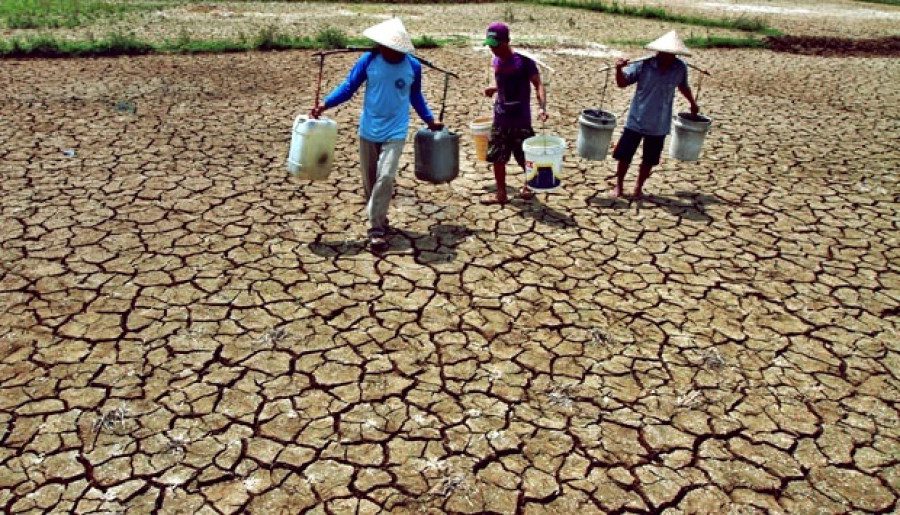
(689, 131)
(437, 152)
(437, 155)
(312, 148)
(543, 162)
(594, 134)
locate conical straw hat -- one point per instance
(669, 43)
(392, 34)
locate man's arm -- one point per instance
(541, 94)
(417, 99)
(624, 79)
(346, 89)
(686, 91)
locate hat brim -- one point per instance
(667, 50)
(393, 37)
(397, 48)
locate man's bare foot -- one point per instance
(526, 194)
(637, 195)
(491, 200)
(617, 192)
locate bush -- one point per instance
(426, 42)
(330, 37)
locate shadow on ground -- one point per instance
(436, 246)
(543, 213)
(684, 204)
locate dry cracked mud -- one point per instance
(184, 328)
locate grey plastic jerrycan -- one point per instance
(437, 155)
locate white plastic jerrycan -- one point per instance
(312, 148)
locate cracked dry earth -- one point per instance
(186, 329)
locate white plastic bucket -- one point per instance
(312, 148)
(543, 161)
(595, 130)
(481, 132)
(688, 134)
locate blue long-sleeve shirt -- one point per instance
(390, 89)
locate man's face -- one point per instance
(390, 55)
(501, 49)
(666, 58)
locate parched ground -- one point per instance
(833, 18)
(185, 328)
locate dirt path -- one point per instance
(184, 328)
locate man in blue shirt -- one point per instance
(393, 81)
(650, 116)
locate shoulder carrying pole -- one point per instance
(611, 66)
(321, 55)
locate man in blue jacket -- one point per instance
(393, 80)
(650, 116)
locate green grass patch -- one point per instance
(52, 14)
(742, 23)
(724, 42)
(47, 45)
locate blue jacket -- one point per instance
(390, 89)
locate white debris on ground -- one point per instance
(591, 50)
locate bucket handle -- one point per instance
(444, 98)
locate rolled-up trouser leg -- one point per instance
(380, 199)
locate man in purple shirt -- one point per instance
(514, 75)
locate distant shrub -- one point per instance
(330, 37)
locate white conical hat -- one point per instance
(669, 43)
(392, 34)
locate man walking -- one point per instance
(393, 80)
(514, 74)
(650, 116)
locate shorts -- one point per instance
(628, 144)
(506, 142)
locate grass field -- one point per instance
(39, 19)
(46, 45)
(59, 28)
(48, 14)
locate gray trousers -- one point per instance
(379, 163)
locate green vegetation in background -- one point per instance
(70, 13)
(886, 2)
(744, 23)
(45, 45)
(724, 42)
(51, 14)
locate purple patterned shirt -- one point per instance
(512, 107)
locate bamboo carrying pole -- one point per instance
(639, 59)
(323, 54)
